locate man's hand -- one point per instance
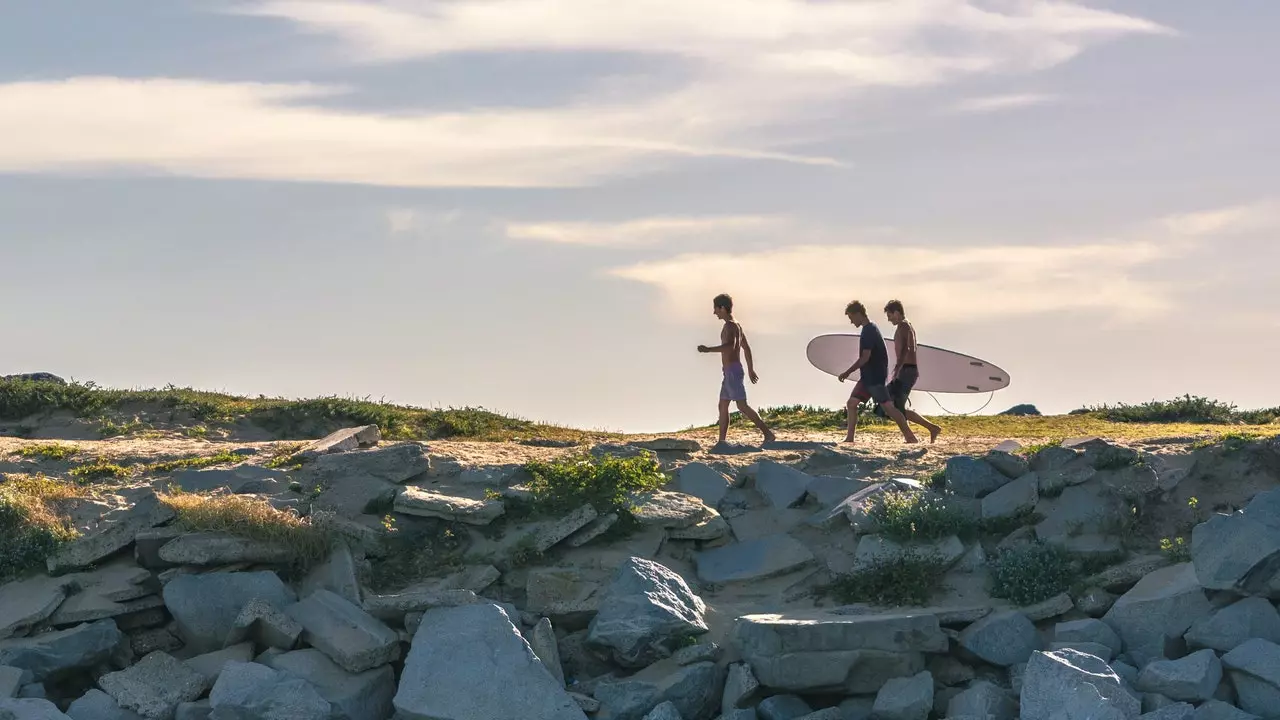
(754, 377)
(702, 348)
(844, 376)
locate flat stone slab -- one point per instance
(344, 440)
(234, 479)
(781, 485)
(393, 608)
(830, 491)
(551, 534)
(155, 686)
(26, 603)
(752, 560)
(221, 549)
(113, 533)
(669, 510)
(669, 445)
(206, 606)
(424, 503)
(52, 653)
(351, 637)
(703, 482)
(394, 463)
(361, 696)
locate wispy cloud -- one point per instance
(995, 103)
(1237, 219)
(644, 231)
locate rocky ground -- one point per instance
(753, 584)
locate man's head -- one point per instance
(857, 313)
(722, 305)
(893, 310)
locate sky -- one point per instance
(528, 205)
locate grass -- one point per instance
(100, 469)
(195, 463)
(907, 515)
(1034, 572)
(252, 519)
(32, 524)
(47, 451)
(912, 578)
(566, 484)
(1185, 409)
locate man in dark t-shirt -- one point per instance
(873, 361)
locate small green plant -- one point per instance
(285, 457)
(566, 484)
(223, 457)
(100, 469)
(906, 515)
(910, 578)
(1032, 573)
(1031, 450)
(31, 525)
(1004, 525)
(937, 480)
(108, 427)
(1177, 548)
(48, 451)
(197, 431)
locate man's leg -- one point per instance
(881, 395)
(724, 419)
(855, 399)
(754, 417)
(900, 390)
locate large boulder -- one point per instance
(694, 690)
(1241, 551)
(1228, 628)
(54, 653)
(972, 477)
(354, 696)
(756, 559)
(782, 486)
(1254, 668)
(1161, 607)
(247, 691)
(1003, 638)
(206, 606)
(351, 637)
(1193, 678)
(646, 611)
(1070, 685)
(471, 663)
(703, 482)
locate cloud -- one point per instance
(641, 232)
(412, 221)
(994, 103)
(1234, 220)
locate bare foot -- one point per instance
(769, 436)
(848, 440)
(934, 432)
(911, 440)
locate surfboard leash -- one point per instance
(990, 397)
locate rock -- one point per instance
(1176, 711)
(876, 549)
(740, 688)
(114, 590)
(781, 486)
(1088, 631)
(1052, 483)
(542, 638)
(1070, 685)
(665, 711)
(206, 606)
(972, 477)
(551, 534)
(266, 625)
(113, 533)
(222, 549)
(693, 689)
(424, 503)
(158, 639)
(703, 482)
(344, 440)
(397, 464)
(35, 377)
(905, 698)
(1124, 576)
(1018, 496)
(669, 445)
(457, 650)
(1254, 668)
(29, 709)
(97, 705)
(702, 652)
(53, 653)
(1003, 638)
(361, 696)
(154, 686)
(1059, 604)
(1216, 710)
(210, 665)
(1023, 409)
(752, 560)
(670, 510)
(828, 491)
(1007, 464)
(563, 593)
(782, 707)
(1241, 551)
(1162, 606)
(592, 530)
(11, 680)
(353, 497)
(713, 528)
(200, 710)
(1193, 678)
(1095, 602)
(820, 651)
(983, 700)
(1228, 628)
(236, 479)
(26, 603)
(393, 608)
(337, 574)
(947, 670)
(250, 690)
(646, 610)
(1097, 650)
(352, 638)
(1053, 457)
(1080, 510)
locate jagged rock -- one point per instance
(236, 479)
(670, 510)
(713, 528)
(1254, 668)
(337, 574)
(983, 700)
(114, 532)
(645, 611)
(222, 549)
(424, 503)
(1053, 457)
(266, 625)
(693, 689)
(1018, 496)
(703, 482)
(1161, 607)
(972, 477)
(873, 549)
(210, 665)
(393, 608)
(947, 670)
(206, 606)
(394, 463)
(782, 486)
(1071, 685)
(905, 698)
(475, 578)
(1003, 638)
(97, 705)
(344, 440)
(701, 652)
(1095, 649)
(821, 651)
(542, 638)
(1053, 482)
(1088, 631)
(592, 530)
(149, 641)
(360, 696)
(665, 711)
(740, 688)
(1124, 576)
(457, 650)
(564, 592)
(551, 534)
(1059, 604)
(26, 603)
(1079, 510)
(352, 638)
(29, 709)
(1226, 629)
(353, 497)
(1241, 551)
(154, 686)
(1101, 454)
(752, 560)
(1193, 678)
(1176, 711)
(783, 707)
(1095, 602)
(829, 491)
(52, 653)
(1010, 465)
(116, 589)
(250, 690)
(1217, 710)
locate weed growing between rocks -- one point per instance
(1032, 573)
(1002, 526)
(47, 451)
(906, 515)
(99, 469)
(428, 549)
(31, 526)
(195, 463)
(564, 485)
(909, 578)
(251, 519)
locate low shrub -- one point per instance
(906, 515)
(911, 578)
(567, 484)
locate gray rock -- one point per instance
(155, 686)
(693, 689)
(1088, 631)
(947, 670)
(1217, 710)
(875, 549)
(702, 652)
(819, 651)
(1098, 650)
(740, 714)
(831, 713)
(425, 503)
(222, 549)
(210, 665)
(149, 641)
(757, 559)
(668, 510)
(857, 708)
(568, 593)
(669, 445)
(1053, 482)
(29, 709)
(352, 638)
(266, 625)
(646, 610)
(457, 650)
(972, 477)
(11, 680)
(1175, 711)
(393, 608)
(703, 482)
(1059, 604)
(593, 530)
(397, 464)
(1010, 465)
(782, 707)
(1018, 496)
(1095, 602)
(344, 440)
(114, 532)
(234, 479)
(113, 590)
(337, 574)
(542, 638)
(740, 688)
(712, 528)
(97, 705)
(52, 653)
(249, 691)
(199, 710)
(1068, 685)
(830, 491)
(983, 700)
(905, 698)
(665, 711)
(359, 696)
(1241, 551)
(553, 533)
(1080, 510)
(1003, 638)
(1193, 678)
(1053, 458)
(26, 603)
(1161, 607)
(782, 486)
(1254, 668)
(1228, 628)
(206, 606)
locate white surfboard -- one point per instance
(944, 371)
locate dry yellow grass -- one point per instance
(249, 518)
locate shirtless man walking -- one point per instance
(905, 371)
(733, 339)
(873, 361)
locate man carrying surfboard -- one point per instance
(733, 343)
(873, 361)
(905, 371)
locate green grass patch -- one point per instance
(32, 525)
(566, 484)
(1186, 409)
(1034, 572)
(907, 515)
(912, 578)
(100, 469)
(817, 419)
(47, 451)
(223, 457)
(252, 519)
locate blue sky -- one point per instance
(528, 204)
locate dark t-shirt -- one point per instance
(876, 371)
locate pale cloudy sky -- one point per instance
(527, 205)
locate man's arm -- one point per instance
(862, 360)
(746, 352)
(728, 339)
(899, 349)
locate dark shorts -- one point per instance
(733, 386)
(878, 392)
(900, 389)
